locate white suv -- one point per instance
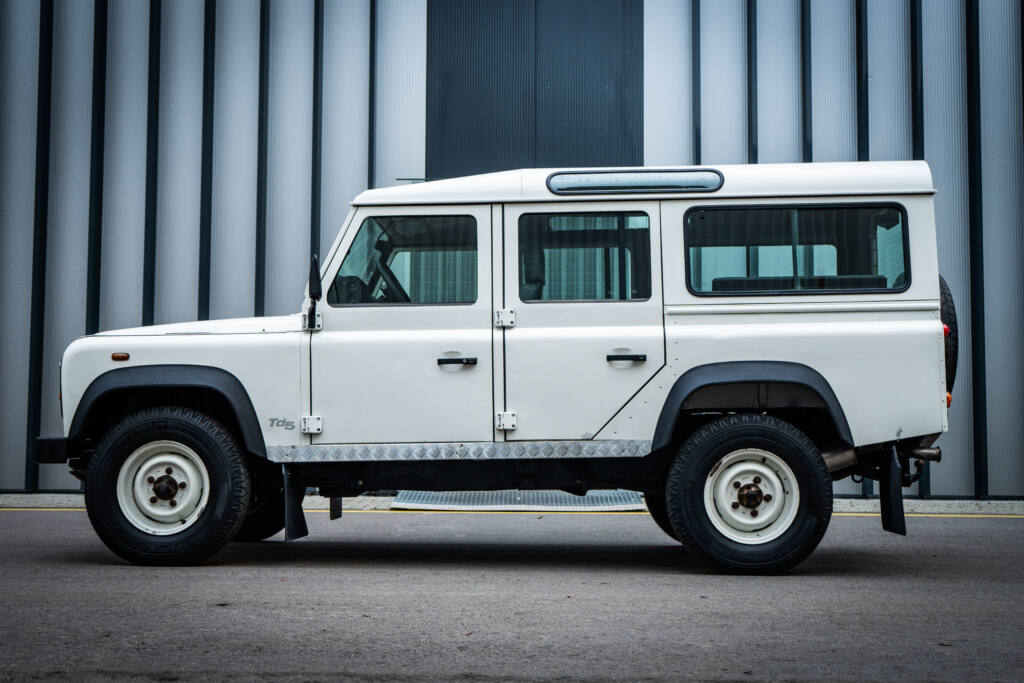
(726, 340)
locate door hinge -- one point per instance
(317, 322)
(505, 421)
(312, 424)
(505, 317)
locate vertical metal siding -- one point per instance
(1002, 158)
(723, 76)
(833, 81)
(235, 113)
(778, 81)
(289, 135)
(68, 230)
(666, 92)
(346, 125)
(945, 126)
(124, 192)
(401, 92)
(889, 79)
(181, 125)
(19, 53)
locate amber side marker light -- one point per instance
(119, 356)
(949, 399)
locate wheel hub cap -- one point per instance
(751, 496)
(165, 487)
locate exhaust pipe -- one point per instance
(839, 459)
(928, 454)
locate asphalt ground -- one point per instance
(466, 596)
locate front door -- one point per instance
(584, 280)
(405, 353)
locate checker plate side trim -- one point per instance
(506, 450)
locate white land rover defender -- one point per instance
(729, 341)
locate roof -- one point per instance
(749, 180)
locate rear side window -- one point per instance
(796, 249)
(584, 256)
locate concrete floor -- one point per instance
(391, 595)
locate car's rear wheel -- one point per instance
(749, 493)
(166, 486)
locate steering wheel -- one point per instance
(395, 291)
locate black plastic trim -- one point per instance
(175, 376)
(735, 372)
(800, 292)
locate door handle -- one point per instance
(636, 357)
(456, 361)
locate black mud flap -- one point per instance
(294, 492)
(891, 495)
(335, 508)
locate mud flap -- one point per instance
(335, 508)
(294, 492)
(891, 495)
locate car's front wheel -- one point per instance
(749, 493)
(167, 486)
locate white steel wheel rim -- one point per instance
(736, 512)
(163, 487)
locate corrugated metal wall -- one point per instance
(209, 167)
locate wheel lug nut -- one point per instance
(735, 484)
(753, 513)
(168, 470)
(174, 502)
(150, 480)
(181, 485)
(757, 480)
(152, 499)
(767, 497)
(735, 505)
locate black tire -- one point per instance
(216, 522)
(705, 450)
(266, 512)
(947, 313)
(655, 501)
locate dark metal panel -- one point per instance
(99, 98)
(481, 95)
(695, 76)
(316, 180)
(861, 29)
(916, 98)
(152, 163)
(40, 224)
(371, 137)
(260, 271)
(974, 198)
(206, 163)
(805, 81)
(589, 68)
(752, 81)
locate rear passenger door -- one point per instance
(584, 282)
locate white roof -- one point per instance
(750, 180)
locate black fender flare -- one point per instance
(734, 372)
(175, 376)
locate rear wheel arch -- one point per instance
(212, 391)
(793, 391)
